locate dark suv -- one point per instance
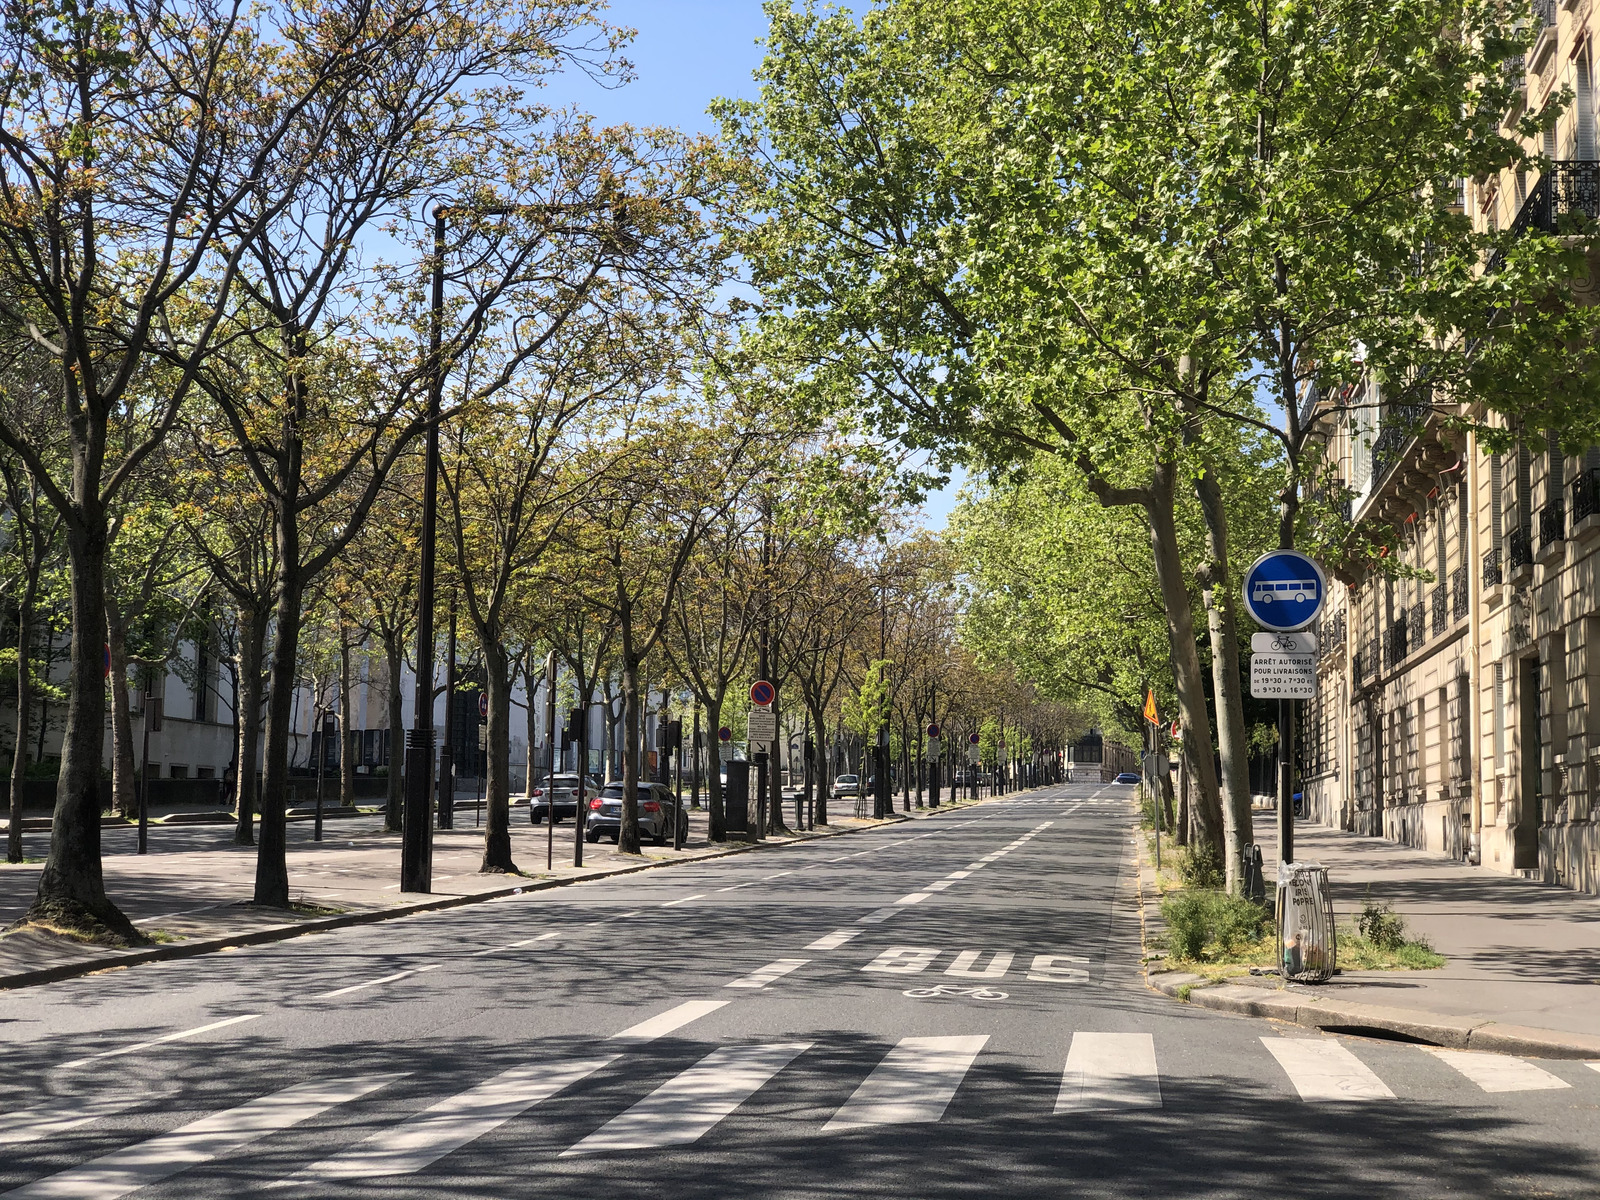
(658, 808)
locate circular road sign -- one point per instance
(724, 734)
(483, 704)
(933, 731)
(762, 693)
(973, 738)
(1283, 590)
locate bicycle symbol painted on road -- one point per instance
(943, 989)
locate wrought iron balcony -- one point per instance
(1491, 569)
(1396, 647)
(1441, 609)
(1519, 548)
(1544, 12)
(1417, 624)
(1458, 589)
(1585, 494)
(1552, 525)
(1569, 189)
(1401, 423)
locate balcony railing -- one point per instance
(1552, 525)
(1416, 624)
(1519, 548)
(1568, 189)
(1585, 494)
(1491, 569)
(1441, 609)
(1400, 424)
(1458, 590)
(1396, 646)
(1544, 12)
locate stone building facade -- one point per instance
(1458, 706)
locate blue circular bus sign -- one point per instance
(1283, 590)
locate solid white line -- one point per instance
(35, 1123)
(688, 1106)
(159, 1158)
(1110, 1070)
(1326, 1070)
(1499, 1072)
(446, 1126)
(170, 1037)
(667, 1022)
(834, 940)
(768, 973)
(914, 898)
(683, 900)
(356, 987)
(915, 1082)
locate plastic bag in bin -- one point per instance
(1308, 948)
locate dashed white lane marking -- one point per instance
(768, 973)
(913, 898)
(914, 1083)
(683, 900)
(834, 940)
(958, 874)
(1110, 1070)
(686, 1107)
(1325, 1070)
(1593, 1065)
(451, 1123)
(975, 866)
(735, 887)
(356, 987)
(778, 874)
(667, 1022)
(1499, 1072)
(35, 1123)
(164, 1038)
(158, 1158)
(939, 886)
(517, 945)
(877, 915)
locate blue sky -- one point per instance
(687, 53)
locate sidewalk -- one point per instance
(1523, 969)
(192, 891)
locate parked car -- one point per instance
(846, 785)
(1126, 777)
(565, 797)
(658, 809)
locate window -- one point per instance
(1496, 504)
(1583, 136)
(179, 771)
(205, 772)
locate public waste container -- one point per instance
(1307, 944)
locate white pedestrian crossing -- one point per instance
(46, 1121)
(688, 1106)
(1499, 1072)
(914, 1083)
(1110, 1071)
(669, 1021)
(450, 1124)
(1325, 1070)
(151, 1161)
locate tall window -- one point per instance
(1583, 136)
(1555, 479)
(1496, 505)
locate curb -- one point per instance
(281, 933)
(1366, 1020)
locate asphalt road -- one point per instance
(943, 1008)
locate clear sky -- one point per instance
(687, 53)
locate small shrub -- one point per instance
(1201, 918)
(1201, 867)
(1239, 922)
(1188, 929)
(1382, 926)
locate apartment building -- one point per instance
(1458, 705)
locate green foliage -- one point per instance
(865, 710)
(1200, 867)
(1199, 919)
(1381, 925)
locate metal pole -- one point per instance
(322, 764)
(680, 818)
(550, 740)
(580, 819)
(416, 835)
(699, 745)
(143, 781)
(447, 743)
(1286, 780)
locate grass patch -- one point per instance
(163, 937)
(306, 909)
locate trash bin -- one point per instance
(1307, 944)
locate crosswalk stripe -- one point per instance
(1323, 1070)
(1499, 1072)
(450, 1124)
(159, 1158)
(667, 1022)
(768, 973)
(689, 1105)
(1595, 1066)
(834, 940)
(1110, 1070)
(915, 1082)
(35, 1123)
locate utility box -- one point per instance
(1307, 943)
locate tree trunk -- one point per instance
(272, 866)
(1173, 582)
(823, 761)
(628, 836)
(529, 673)
(1227, 686)
(72, 891)
(716, 817)
(394, 797)
(247, 706)
(775, 821)
(123, 767)
(19, 756)
(497, 789)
